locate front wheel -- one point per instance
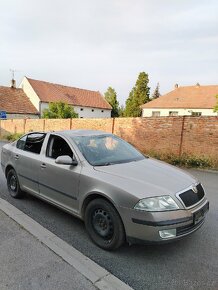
(104, 224)
(13, 184)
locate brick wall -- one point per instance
(200, 136)
(191, 135)
(151, 134)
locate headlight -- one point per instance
(161, 203)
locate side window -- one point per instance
(21, 142)
(34, 142)
(57, 146)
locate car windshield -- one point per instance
(103, 150)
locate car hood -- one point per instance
(147, 177)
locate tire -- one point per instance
(104, 224)
(13, 184)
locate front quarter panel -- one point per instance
(93, 182)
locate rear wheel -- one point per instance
(13, 184)
(104, 224)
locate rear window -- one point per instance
(31, 142)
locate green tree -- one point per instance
(121, 111)
(129, 110)
(216, 106)
(59, 110)
(111, 98)
(156, 94)
(138, 96)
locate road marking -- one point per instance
(100, 277)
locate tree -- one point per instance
(138, 96)
(216, 106)
(111, 98)
(129, 110)
(156, 94)
(59, 110)
(121, 111)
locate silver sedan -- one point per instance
(120, 194)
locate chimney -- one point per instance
(13, 84)
(197, 85)
(176, 86)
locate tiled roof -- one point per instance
(13, 100)
(49, 92)
(199, 97)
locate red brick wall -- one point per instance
(191, 135)
(151, 134)
(33, 125)
(96, 124)
(200, 136)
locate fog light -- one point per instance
(166, 234)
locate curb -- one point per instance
(100, 277)
(215, 171)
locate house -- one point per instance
(86, 103)
(184, 101)
(14, 104)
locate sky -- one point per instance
(94, 44)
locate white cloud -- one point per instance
(96, 44)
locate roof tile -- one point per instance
(49, 92)
(13, 100)
(199, 97)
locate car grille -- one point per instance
(190, 198)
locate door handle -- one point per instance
(16, 156)
(43, 165)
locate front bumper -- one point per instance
(146, 226)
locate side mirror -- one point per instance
(65, 160)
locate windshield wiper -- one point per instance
(105, 164)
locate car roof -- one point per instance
(81, 132)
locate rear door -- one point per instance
(27, 161)
(57, 182)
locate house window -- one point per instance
(93, 110)
(173, 113)
(102, 111)
(196, 114)
(81, 109)
(155, 113)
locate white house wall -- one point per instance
(181, 112)
(86, 112)
(28, 90)
(22, 116)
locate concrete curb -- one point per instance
(101, 278)
(215, 171)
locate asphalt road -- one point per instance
(191, 263)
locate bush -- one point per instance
(13, 137)
(185, 160)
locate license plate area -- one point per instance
(200, 214)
